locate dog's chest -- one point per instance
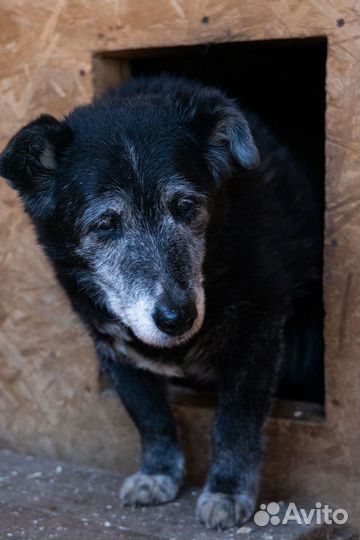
(192, 364)
(124, 346)
(156, 365)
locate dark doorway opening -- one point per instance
(284, 82)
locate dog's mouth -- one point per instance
(160, 341)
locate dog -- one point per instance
(184, 233)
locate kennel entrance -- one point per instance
(284, 82)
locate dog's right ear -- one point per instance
(221, 126)
(33, 153)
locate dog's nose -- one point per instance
(175, 320)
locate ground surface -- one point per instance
(46, 500)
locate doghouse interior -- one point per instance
(284, 81)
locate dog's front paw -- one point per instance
(222, 511)
(148, 489)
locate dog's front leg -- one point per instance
(247, 374)
(162, 464)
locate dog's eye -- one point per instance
(185, 206)
(108, 224)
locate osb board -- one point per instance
(49, 397)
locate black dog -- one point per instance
(184, 253)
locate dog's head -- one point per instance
(121, 193)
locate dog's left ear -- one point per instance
(33, 153)
(228, 138)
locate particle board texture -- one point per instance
(53, 54)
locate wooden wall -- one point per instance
(50, 400)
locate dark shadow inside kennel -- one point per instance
(284, 81)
